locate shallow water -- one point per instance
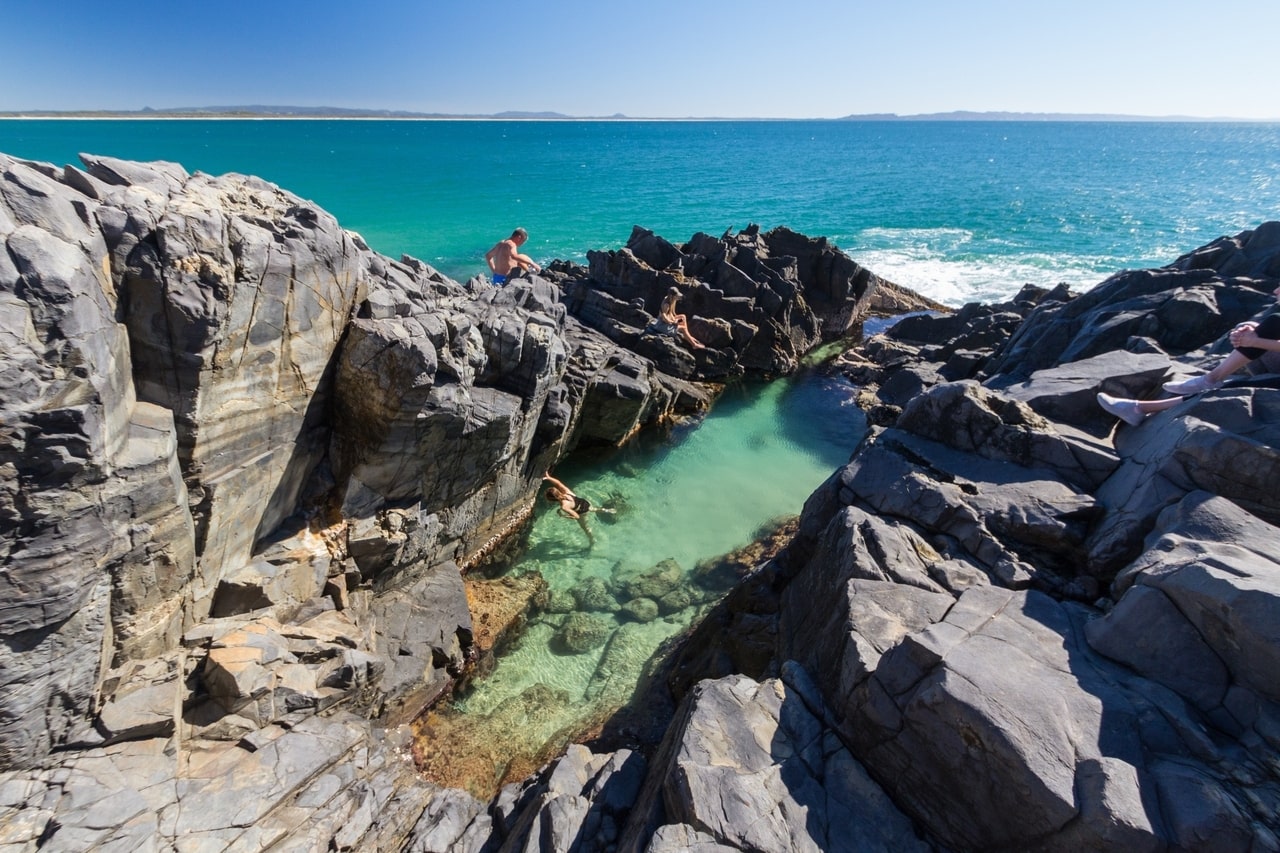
(687, 496)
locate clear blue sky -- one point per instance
(659, 58)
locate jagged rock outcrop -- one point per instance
(947, 590)
(954, 617)
(757, 301)
(956, 605)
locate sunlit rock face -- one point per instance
(99, 547)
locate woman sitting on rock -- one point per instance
(671, 323)
(1251, 340)
(571, 505)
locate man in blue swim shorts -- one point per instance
(504, 258)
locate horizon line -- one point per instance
(288, 112)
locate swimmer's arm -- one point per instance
(553, 481)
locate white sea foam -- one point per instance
(956, 282)
(949, 266)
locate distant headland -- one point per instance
(285, 112)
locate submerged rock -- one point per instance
(561, 601)
(581, 632)
(500, 610)
(477, 754)
(641, 609)
(651, 583)
(592, 594)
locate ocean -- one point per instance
(959, 211)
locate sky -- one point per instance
(656, 59)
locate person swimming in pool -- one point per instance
(571, 505)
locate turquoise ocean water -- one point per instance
(959, 211)
(956, 210)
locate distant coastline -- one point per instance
(314, 113)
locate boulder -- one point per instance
(581, 632)
(640, 609)
(753, 766)
(1197, 611)
(592, 594)
(652, 583)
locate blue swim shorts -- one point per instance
(499, 280)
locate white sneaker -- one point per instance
(1194, 385)
(1125, 410)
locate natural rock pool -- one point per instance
(683, 498)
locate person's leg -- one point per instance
(1134, 412)
(682, 325)
(1150, 407)
(1212, 380)
(582, 522)
(1235, 360)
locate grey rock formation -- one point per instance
(1185, 619)
(246, 461)
(317, 779)
(576, 804)
(753, 766)
(757, 301)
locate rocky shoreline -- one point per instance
(248, 463)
